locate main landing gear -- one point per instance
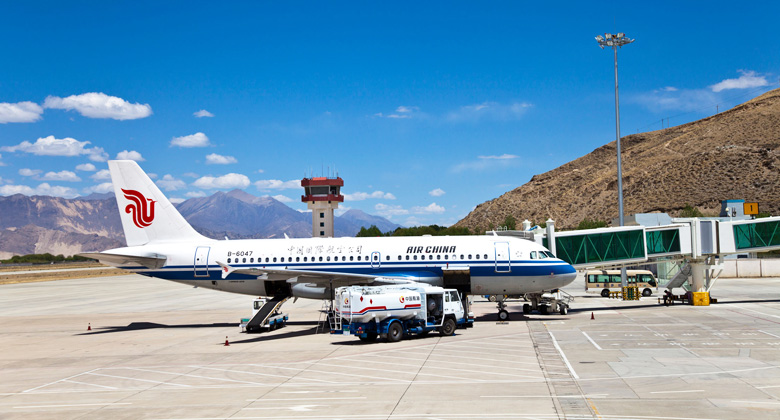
(503, 314)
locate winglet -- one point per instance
(226, 269)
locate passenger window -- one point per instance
(351, 258)
(422, 257)
(387, 258)
(446, 257)
(415, 257)
(358, 257)
(282, 260)
(407, 258)
(485, 256)
(376, 257)
(228, 260)
(328, 258)
(266, 259)
(461, 257)
(477, 256)
(251, 260)
(244, 260)
(438, 257)
(399, 258)
(320, 258)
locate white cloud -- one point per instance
(215, 159)
(169, 183)
(489, 111)
(103, 188)
(60, 176)
(283, 198)
(401, 112)
(20, 112)
(86, 167)
(42, 189)
(389, 211)
(1, 161)
(190, 174)
(432, 208)
(130, 155)
(748, 79)
(101, 175)
(275, 184)
(195, 194)
(151, 175)
(359, 196)
(193, 140)
(100, 105)
(438, 192)
(29, 172)
(499, 157)
(203, 113)
(228, 181)
(486, 162)
(50, 146)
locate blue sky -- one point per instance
(426, 109)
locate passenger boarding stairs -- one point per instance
(331, 321)
(680, 278)
(270, 308)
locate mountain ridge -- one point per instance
(730, 155)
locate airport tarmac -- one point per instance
(156, 351)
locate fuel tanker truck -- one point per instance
(397, 311)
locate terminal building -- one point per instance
(322, 196)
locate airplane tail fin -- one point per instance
(147, 215)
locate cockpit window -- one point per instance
(533, 255)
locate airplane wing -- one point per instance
(153, 261)
(310, 277)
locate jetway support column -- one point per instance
(701, 297)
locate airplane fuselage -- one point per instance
(479, 264)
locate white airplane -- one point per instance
(160, 243)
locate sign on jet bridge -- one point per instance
(750, 209)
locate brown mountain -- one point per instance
(731, 155)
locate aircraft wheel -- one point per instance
(369, 338)
(605, 293)
(503, 315)
(395, 332)
(647, 292)
(526, 309)
(448, 328)
(564, 310)
(543, 309)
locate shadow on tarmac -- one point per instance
(135, 326)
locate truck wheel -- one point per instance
(448, 328)
(543, 309)
(369, 338)
(526, 309)
(503, 315)
(605, 293)
(564, 310)
(647, 292)
(395, 332)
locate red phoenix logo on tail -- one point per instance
(141, 208)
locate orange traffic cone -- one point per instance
(591, 316)
(89, 327)
(227, 343)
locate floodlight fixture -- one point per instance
(616, 41)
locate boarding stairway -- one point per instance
(331, 321)
(269, 309)
(680, 278)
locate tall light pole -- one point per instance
(616, 41)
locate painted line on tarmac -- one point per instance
(138, 379)
(773, 335)
(305, 399)
(547, 396)
(563, 356)
(677, 392)
(70, 405)
(591, 341)
(757, 402)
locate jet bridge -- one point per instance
(700, 242)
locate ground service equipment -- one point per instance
(265, 315)
(396, 311)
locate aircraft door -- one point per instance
(201, 263)
(376, 260)
(502, 257)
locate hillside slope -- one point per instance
(731, 155)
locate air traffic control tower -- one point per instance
(322, 195)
